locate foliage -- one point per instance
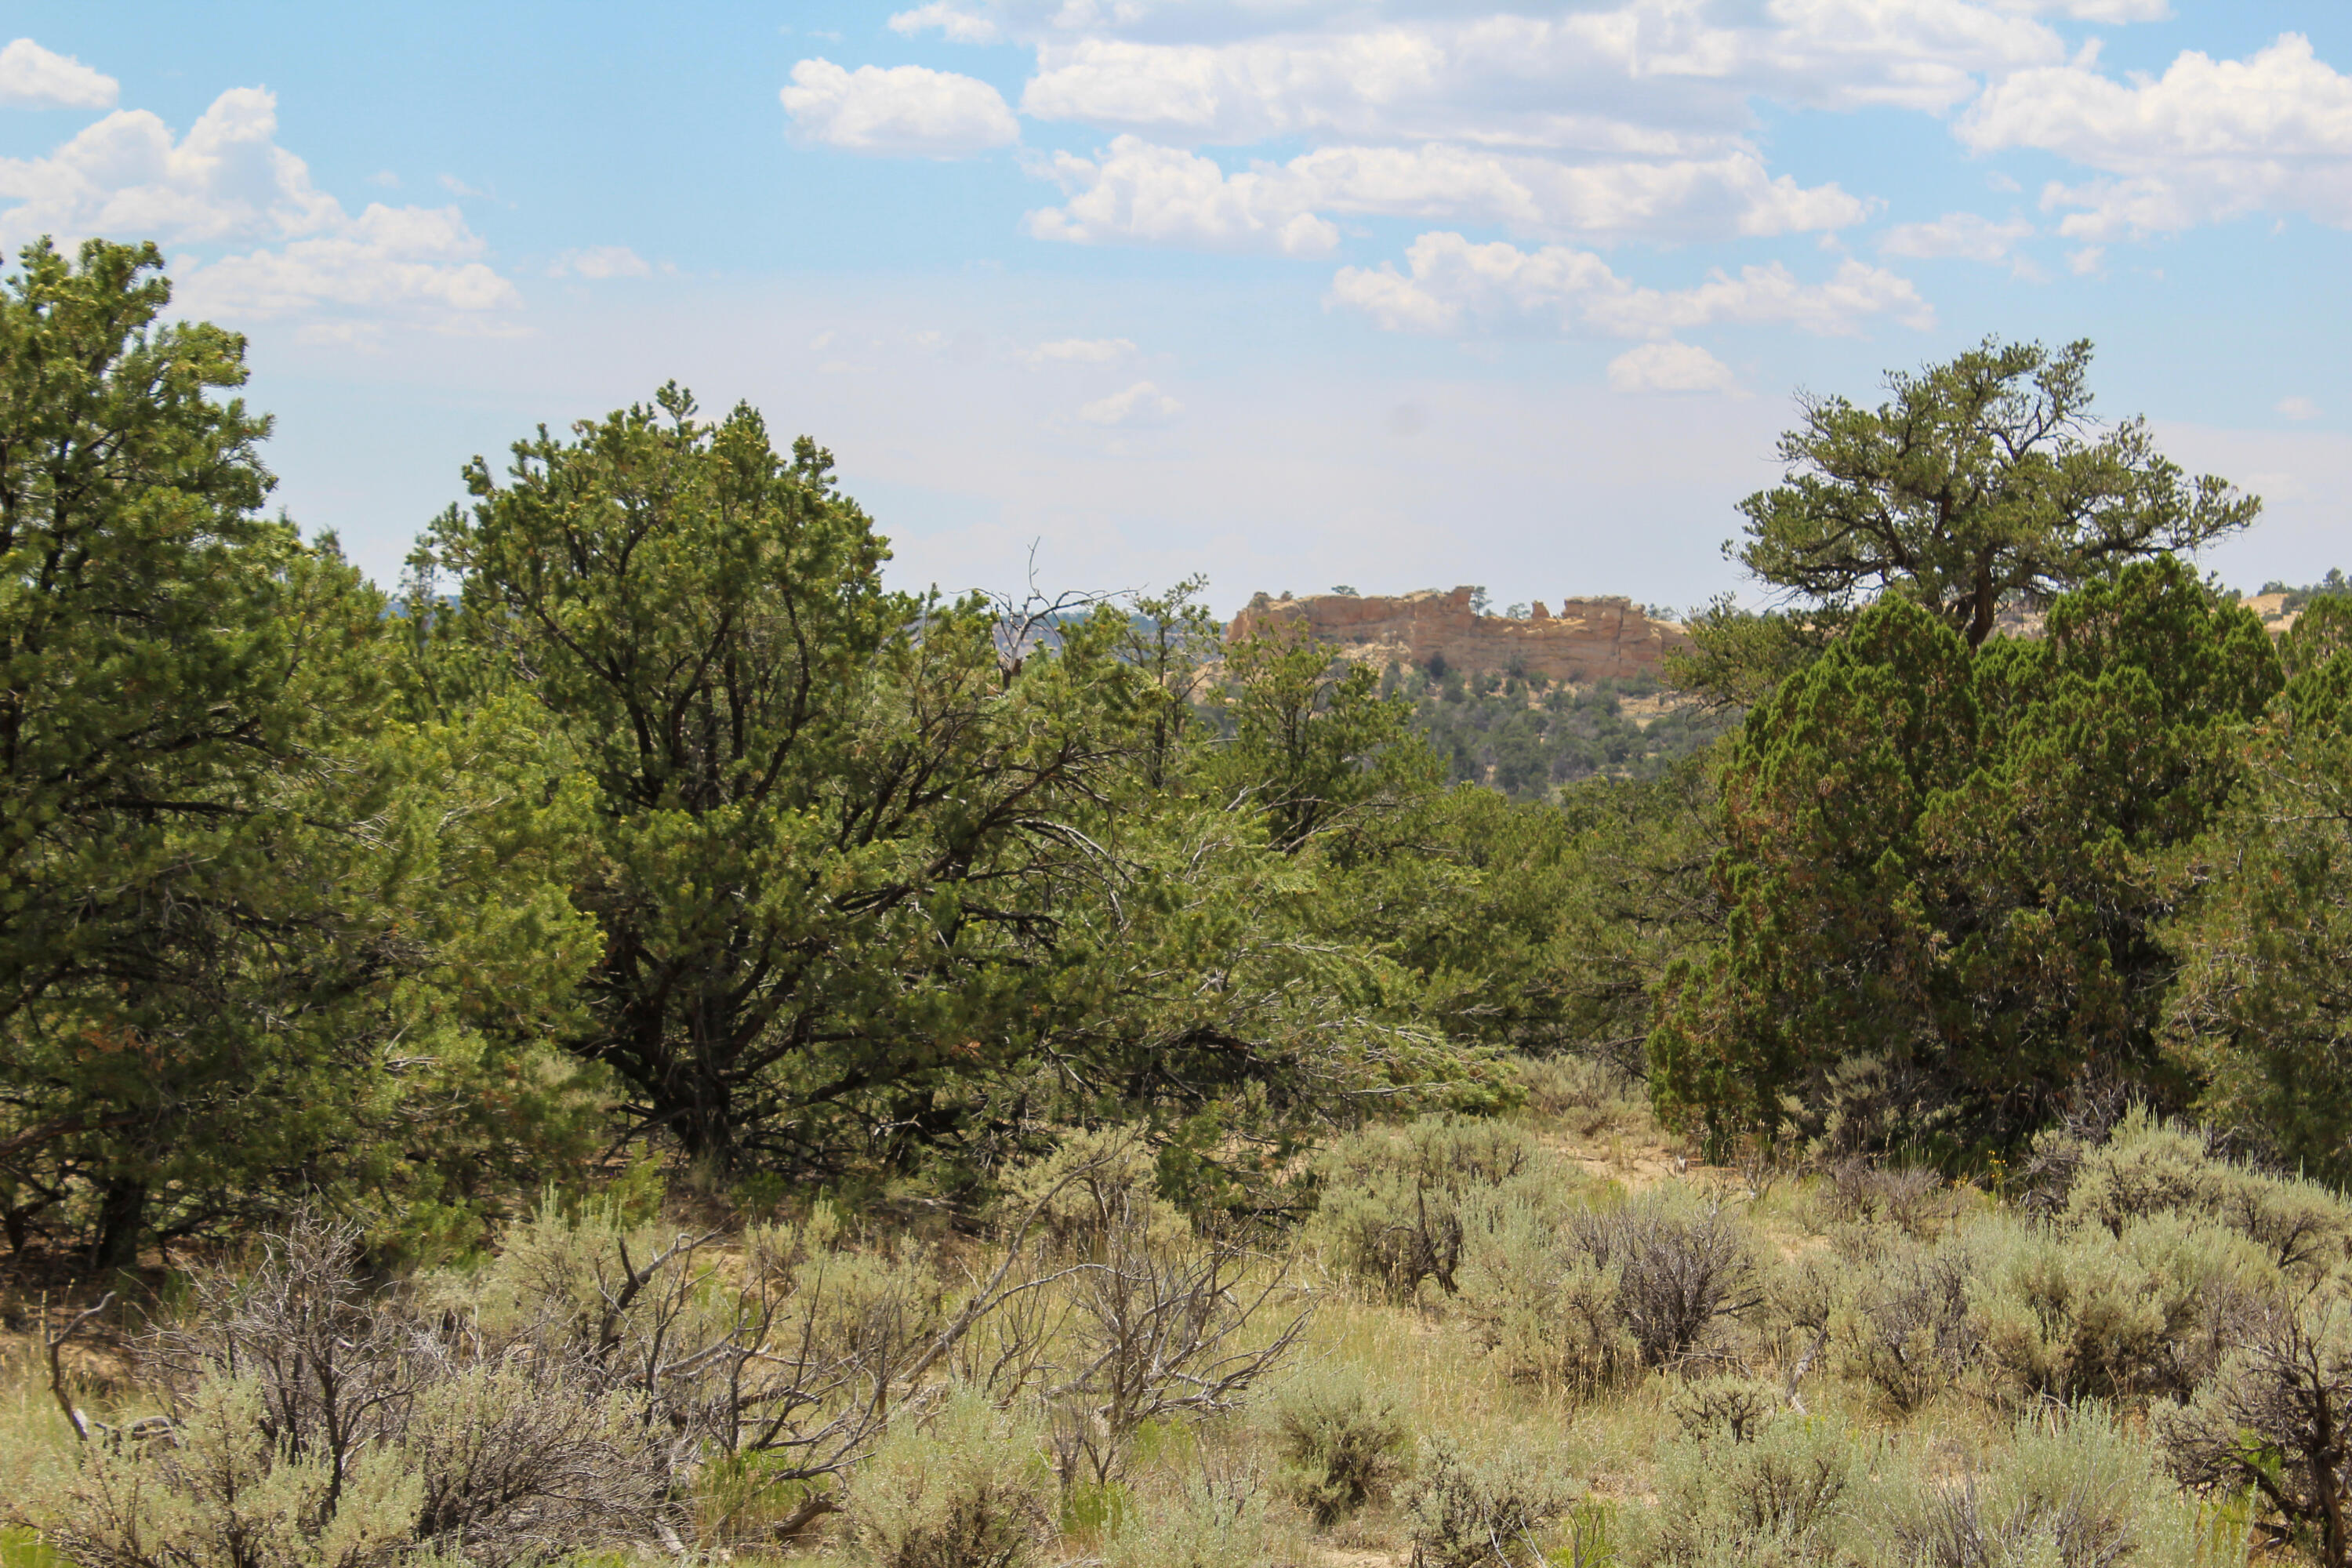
(1392, 1201)
(1590, 1296)
(1481, 1511)
(2070, 1487)
(1952, 863)
(891, 884)
(257, 938)
(1979, 482)
(967, 1487)
(1779, 1496)
(1524, 738)
(2262, 1014)
(2275, 1422)
(1340, 1441)
(309, 1422)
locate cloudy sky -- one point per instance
(1394, 293)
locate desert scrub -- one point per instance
(1340, 1441)
(1490, 1510)
(1584, 1094)
(1784, 1495)
(1215, 1512)
(325, 1422)
(1541, 1306)
(2273, 1424)
(968, 1487)
(1903, 1327)
(1586, 1299)
(2070, 1314)
(2150, 1166)
(2065, 1487)
(1393, 1204)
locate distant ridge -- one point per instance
(1589, 640)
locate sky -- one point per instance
(1102, 294)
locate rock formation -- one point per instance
(1590, 640)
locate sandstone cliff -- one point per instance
(1590, 640)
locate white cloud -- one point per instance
(2208, 141)
(601, 261)
(2087, 261)
(125, 176)
(1971, 237)
(228, 181)
(1082, 351)
(1137, 191)
(2112, 12)
(412, 261)
(1453, 285)
(1140, 406)
(32, 77)
(2297, 407)
(1669, 367)
(904, 110)
(1664, 77)
(959, 26)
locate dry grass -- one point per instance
(1208, 1487)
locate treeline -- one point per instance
(1528, 738)
(644, 818)
(644, 822)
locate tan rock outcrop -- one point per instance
(1589, 639)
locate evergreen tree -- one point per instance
(1952, 866)
(227, 885)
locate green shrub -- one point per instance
(1782, 1497)
(1491, 1511)
(1736, 1407)
(1215, 1516)
(2273, 1424)
(1905, 1330)
(2075, 1314)
(968, 1487)
(2150, 1166)
(1584, 1093)
(1683, 1266)
(2067, 1489)
(1542, 1307)
(1392, 1201)
(1340, 1442)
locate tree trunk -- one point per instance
(121, 1217)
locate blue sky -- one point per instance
(1396, 293)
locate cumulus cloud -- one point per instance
(1669, 367)
(601, 261)
(32, 77)
(901, 110)
(2297, 407)
(1139, 191)
(2207, 141)
(1657, 77)
(1971, 237)
(1452, 285)
(1139, 194)
(228, 180)
(2112, 12)
(1082, 351)
(957, 25)
(126, 175)
(1140, 405)
(413, 261)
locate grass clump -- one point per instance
(1340, 1440)
(968, 1487)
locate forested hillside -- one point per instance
(730, 1056)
